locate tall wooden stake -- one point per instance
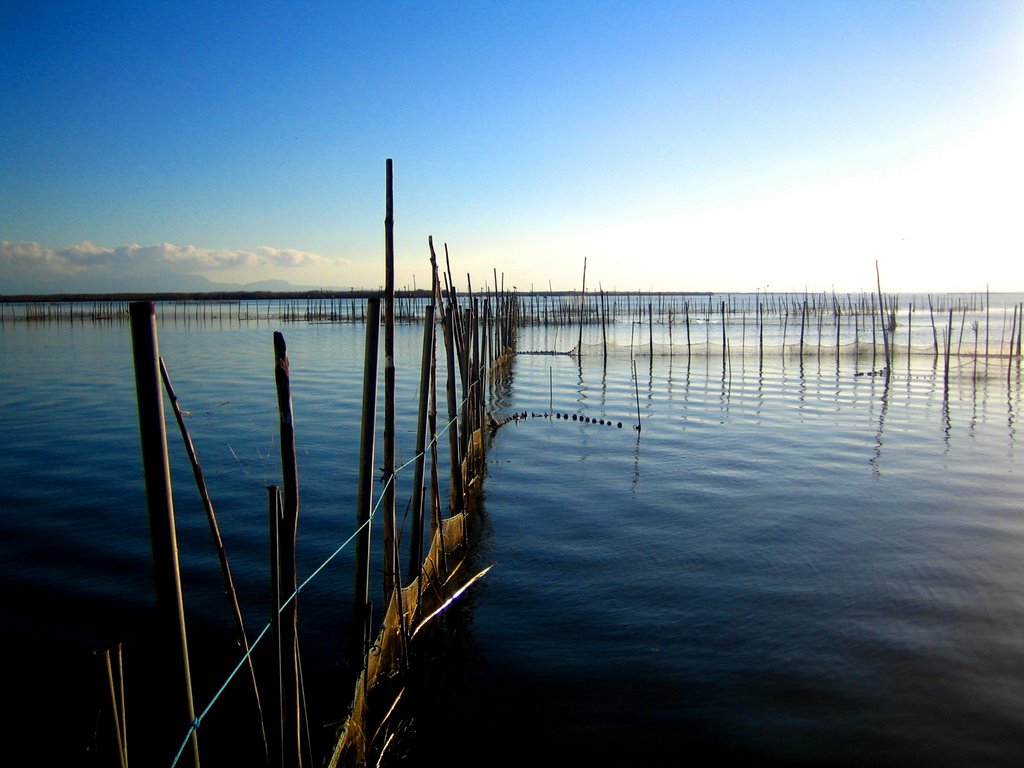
(159, 498)
(364, 499)
(390, 523)
(885, 328)
(288, 532)
(416, 538)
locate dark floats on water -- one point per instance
(797, 561)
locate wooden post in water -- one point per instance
(390, 562)
(725, 349)
(453, 421)
(885, 330)
(650, 330)
(583, 299)
(803, 323)
(686, 312)
(364, 494)
(160, 503)
(935, 333)
(273, 528)
(288, 530)
(948, 334)
(604, 327)
(760, 333)
(988, 308)
(416, 511)
(636, 389)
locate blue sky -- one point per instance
(725, 146)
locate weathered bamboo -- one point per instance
(724, 349)
(416, 508)
(160, 501)
(117, 709)
(988, 309)
(803, 325)
(288, 536)
(885, 330)
(456, 496)
(1020, 327)
(390, 561)
(948, 337)
(218, 542)
(273, 529)
(636, 389)
(686, 308)
(650, 330)
(583, 298)
(604, 326)
(935, 333)
(364, 494)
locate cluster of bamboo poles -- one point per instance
(92, 311)
(479, 335)
(670, 308)
(805, 329)
(479, 338)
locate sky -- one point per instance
(681, 146)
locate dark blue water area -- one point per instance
(795, 567)
(788, 563)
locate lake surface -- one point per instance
(793, 561)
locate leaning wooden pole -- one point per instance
(364, 498)
(159, 500)
(885, 330)
(288, 538)
(222, 555)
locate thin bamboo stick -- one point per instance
(218, 542)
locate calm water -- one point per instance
(798, 564)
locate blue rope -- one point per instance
(198, 720)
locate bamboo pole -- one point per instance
(364, 498)
(390, 563)
(435, 492)
(416, 539)
(116, 708)
(218, 542)
(273, 529)
(289, 576)
(159, 498)
(453, 428)
(604, 327)
(724, 347)
(948, 336)
(935, 333)
(885, 330)
(650, 330)
(583, 298)
(124, 718)
(636, 389)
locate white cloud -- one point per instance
(26, 264)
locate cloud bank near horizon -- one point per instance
(27, 266)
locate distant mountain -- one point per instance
(138, 284)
